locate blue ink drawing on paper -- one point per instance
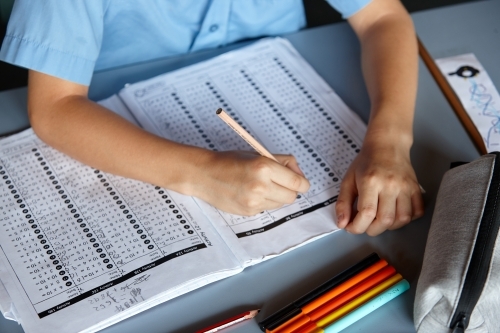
(482, 99)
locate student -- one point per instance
(63, 42)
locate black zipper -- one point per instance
(481, 254)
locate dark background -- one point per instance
(318, 12)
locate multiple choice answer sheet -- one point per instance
(274, 94)
(80, 246)
(82, 249)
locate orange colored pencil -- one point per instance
(342, 310)
(358, 301)
(299, 320)
(339, 301)
(293, 324)
(308, 328)
(352, 293)
(344, 286)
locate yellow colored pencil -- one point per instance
(330, 318)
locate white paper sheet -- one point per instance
(280, 100)
(81, 249)
(476, 92)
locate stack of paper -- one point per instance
(83, 249)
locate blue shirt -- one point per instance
(70, 39)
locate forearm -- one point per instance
(97, 137)
(381, 177)
(390, 68)
(242, 183)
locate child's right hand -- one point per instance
(245, 183)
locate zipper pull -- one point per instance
(460, 325)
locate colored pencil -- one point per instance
(353, 293)
(275, 320)
(344, 297)
(229, 322)
(345, 286)
(368, 307)
(298, 317)
(330, 318)
(310, 328)
(360, 312)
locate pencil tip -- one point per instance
(219, 110)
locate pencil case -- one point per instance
(458, 289)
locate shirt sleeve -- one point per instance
(348, 7)
(59, 38)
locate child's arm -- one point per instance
(381, 177)
(237, 182)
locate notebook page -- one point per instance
(80, 247)
(271, 91)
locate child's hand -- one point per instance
(246, 183)
(387, 190)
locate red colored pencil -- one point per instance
(229, 322)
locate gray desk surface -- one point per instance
(439, 139)
(472, 27)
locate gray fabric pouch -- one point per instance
(459, 286)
